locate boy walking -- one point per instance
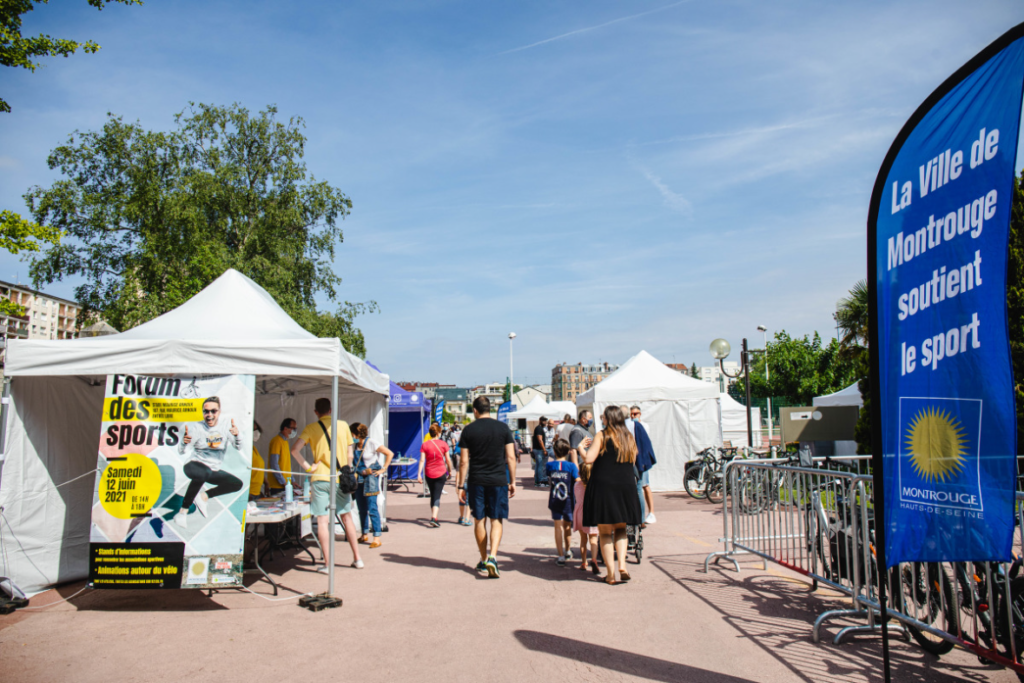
(563, 475)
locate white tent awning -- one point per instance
(233, 326)
(850, 396)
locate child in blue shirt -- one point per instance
(562, 475)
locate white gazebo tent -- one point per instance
(850, 396)
(734, 422)
(681, 413)
(537, 408)
(233, 326)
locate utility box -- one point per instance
(820, 423)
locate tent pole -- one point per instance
(334, 484)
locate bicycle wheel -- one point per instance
(715, 489)
(927, 595)
(695, 480)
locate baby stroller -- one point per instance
(635, 540)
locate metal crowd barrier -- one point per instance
(818, 521)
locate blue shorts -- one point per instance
(564, 516)
(645, 479)
(487, 502)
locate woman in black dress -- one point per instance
(611, 501)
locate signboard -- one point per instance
(819, 423)
(409, 399)
(503, 410)
(174, 463)
(943, 380)
(439, 410)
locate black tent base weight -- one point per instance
(315, 603)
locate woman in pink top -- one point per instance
(434, 459)
(587, 533)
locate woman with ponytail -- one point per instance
(611, 501)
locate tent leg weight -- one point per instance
(316, 603)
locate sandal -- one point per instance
(624, 576)
(610, 579)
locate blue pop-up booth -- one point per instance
(408, 422)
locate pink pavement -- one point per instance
(418, 612)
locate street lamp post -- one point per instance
(767, 381)
(720, 350)
(511, 379)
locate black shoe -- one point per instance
(482, 567)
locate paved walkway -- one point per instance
(418, 612)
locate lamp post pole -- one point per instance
(511, 378)
(767, 381)
(720, 350)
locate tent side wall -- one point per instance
(678, 430)
(53, 431)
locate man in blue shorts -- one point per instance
(488, 470)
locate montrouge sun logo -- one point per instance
(937, 445)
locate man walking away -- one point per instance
(488, 471)
(540, 455)
(645, 460)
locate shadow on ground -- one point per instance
(624, 662)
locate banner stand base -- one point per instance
(316, 603)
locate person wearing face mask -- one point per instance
(281, 456)
(258, 465)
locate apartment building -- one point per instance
(569, 381)
(45, 316)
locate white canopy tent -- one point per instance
(233, 326)
(734, 422)
(537, 408)
(850, 396)
(681, 413)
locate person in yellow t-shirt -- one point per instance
(280, 456)
(256, 481)
(316, 435)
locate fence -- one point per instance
(818, 521)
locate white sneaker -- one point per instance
(201, 503)
(181, 519)
(358, 564)
(568, 554)
(651, 519)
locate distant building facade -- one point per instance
(527, 394)
(569, 381)
(45, 317)
(713, 375)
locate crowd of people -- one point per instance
(597, 480)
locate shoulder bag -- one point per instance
(347, 482)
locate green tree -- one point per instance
(18, 51)
(1015, 303)
(505, 397)
(853, 322)
(19, 235)
(151, 218)
(693, 371)
(801, 368)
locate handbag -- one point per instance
(347, 482)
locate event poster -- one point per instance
(940, 221)
(175, 459)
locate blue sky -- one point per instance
(599, 177)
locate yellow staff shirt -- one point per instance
(256, 482)
(280, 448)
(314, 436)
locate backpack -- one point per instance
(347, 482)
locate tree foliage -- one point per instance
(1015, 303)
(18, 51)
(151, 218)
(19, 235)
(505, 396)
(801, 368)
(693, 371)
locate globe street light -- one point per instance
(720, 350)
(767, 381)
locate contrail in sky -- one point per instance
(592, 28)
